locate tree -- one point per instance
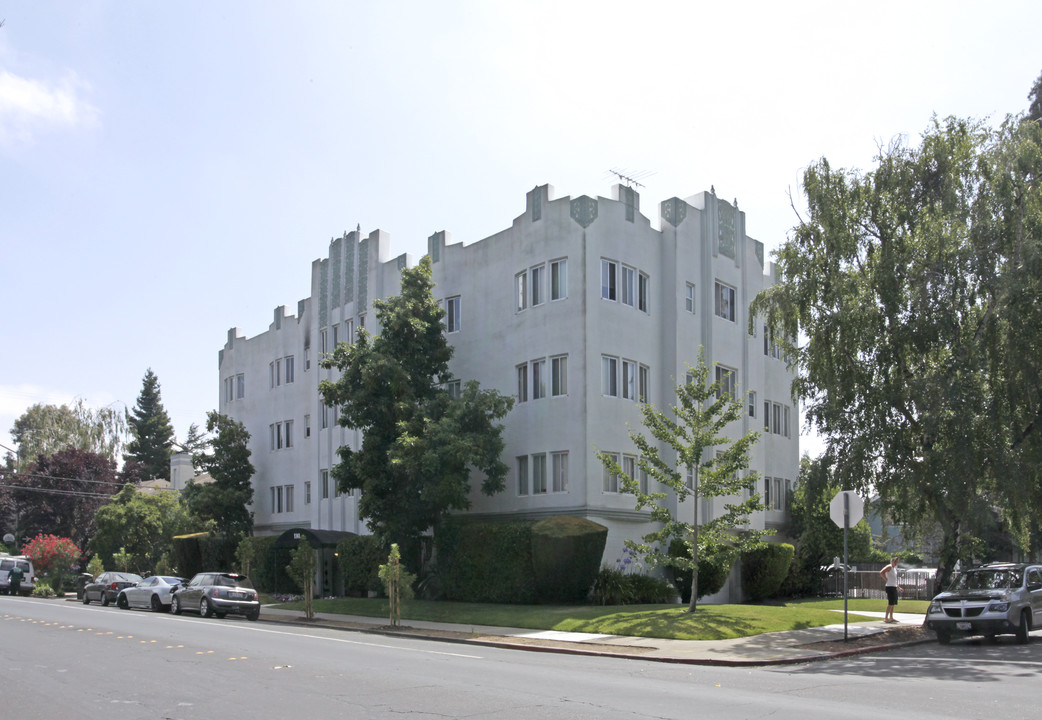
(302, 569)
(225, 501)
(917, 287)
(419, 441)
(142, 524)
(153, 434)
(60, 493)
(47, 429)
(52, 556)
(1035, 96)
(690, 441)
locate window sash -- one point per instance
(560, 472)
(558, 279)
(539, 474)
(522, 475)
(538, 273)
(522, 383)
(609, 270)
(609, 376)
(559, 376)
(538, 379)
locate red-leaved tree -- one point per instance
(52, 556)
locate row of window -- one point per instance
(282, 434)
(532, 474)
(334, 332)
(326, 483)
(537, 387)
(282, 498)
(281, 371)
(532, 287)
(624, 377)
(630, 468)
(234, 387)
(776, 493)
(776, 418)
(622, 283)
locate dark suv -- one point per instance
(217, 593)
(995, 599)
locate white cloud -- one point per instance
(28, 106)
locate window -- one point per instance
(453, 387)
(452, 314)
(560, 472)
(629, 466)
(725, 378)
(629, 380)
(323, 345)
(770, 346)
(611, 481)
(307, 358)
(643, 383)
(289, 498)
(775, 418)
(349, 332)
(228, 396)
(240, 386)
(559, 279)
(559, 376)
(289, 369)
(690, 477)
(752, 404)
(278, 436)
(521, 290)
(724, 303)
(307, 492)
(522, 475)
(643, 480)
(538, 274)
(689, 298)
(273, 506)
(609, 376)
(289, 433)
(539, 474)
(307, 426)
(522, 382)
(644, 293)
(628, 286)
(609, 271)
(538, 379)
(325, 416)
(278, 498)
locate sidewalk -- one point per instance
(766, 649)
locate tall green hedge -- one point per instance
(360, 557)
(764, 570)
(486, 561)
(566, 557)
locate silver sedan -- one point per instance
(152, 593)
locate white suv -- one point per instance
(995, 599)
(28, 574)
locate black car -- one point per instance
(217, 593)
(106, 586)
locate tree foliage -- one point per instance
(302, 569)
(153, 435)
(917, 288)
(141, 524)
(60, 493)
(47, 429)
(419, 442)
(690, 439)
(224, 502)
(52, 556)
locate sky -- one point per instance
(170, 170)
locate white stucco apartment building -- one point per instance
(580, 309)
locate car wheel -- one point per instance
(175, 605)
(122, 602)
(253, 615)
(86, 599)
(944, 637)
(104, 599)
(204, 608)
(157, 604)
(1024, 628)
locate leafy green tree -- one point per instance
(690, 440)
(152, 432)
(917, 288)
(47, 429)
(142, 524)
(1035, 96)
(224, 501)
(302, 569)
(419, 442)
(397, 584)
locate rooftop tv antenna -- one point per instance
(631, 178)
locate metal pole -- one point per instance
(846, 563)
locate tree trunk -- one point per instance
(694, 548)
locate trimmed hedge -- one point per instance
(764, 570)
(713, 570)
(566, 555)
(360, 557)
(486, 561)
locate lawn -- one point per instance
(708, 622)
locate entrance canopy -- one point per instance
(317, 539)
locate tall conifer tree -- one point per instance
(152, 431)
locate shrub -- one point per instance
(360, 557)
(610, 587)
(485, 561)
(714, 567)
(649, 590)
(42, 590)
(566, 552)
(764, 569)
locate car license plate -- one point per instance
(240, 596)
(963, 626)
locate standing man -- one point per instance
(14, 579)
(889, 575)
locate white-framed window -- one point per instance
(323, 341)
(752, 403)
(229, 394)
(726, 377)
(307, 426)
(559, 279)
(336, 336)
(537, 280)
(240, 386)
(452, 314)
(289, 498)
(522, 474)
(349, 332)
(724, 301)
(629, 466)
(539, 474)
(559, 375)
(611, 480)
(776, 418)
(690, 481)
(307, 492)
(307, 358)
(521, 290)
(609, 280)
(629, 286)
(643, 383)
(538, 379)
(289, 433)
(629, 380)
(689, 298)
(560, 472)
(288, 361)
(522, 382)
(609, 376)
(454, 388)
(278, 496)
(324, 478)
(771, 348)
(644, 292)
(325, 416)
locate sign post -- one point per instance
(846, 509)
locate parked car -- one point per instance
(152, 592)
(217, 593)
(107, 586)
(7, 563)
(995, 599)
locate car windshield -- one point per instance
(126, 577)
(977, 580)
(233, 581)
(171, 580)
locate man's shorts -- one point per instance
(891, 595)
